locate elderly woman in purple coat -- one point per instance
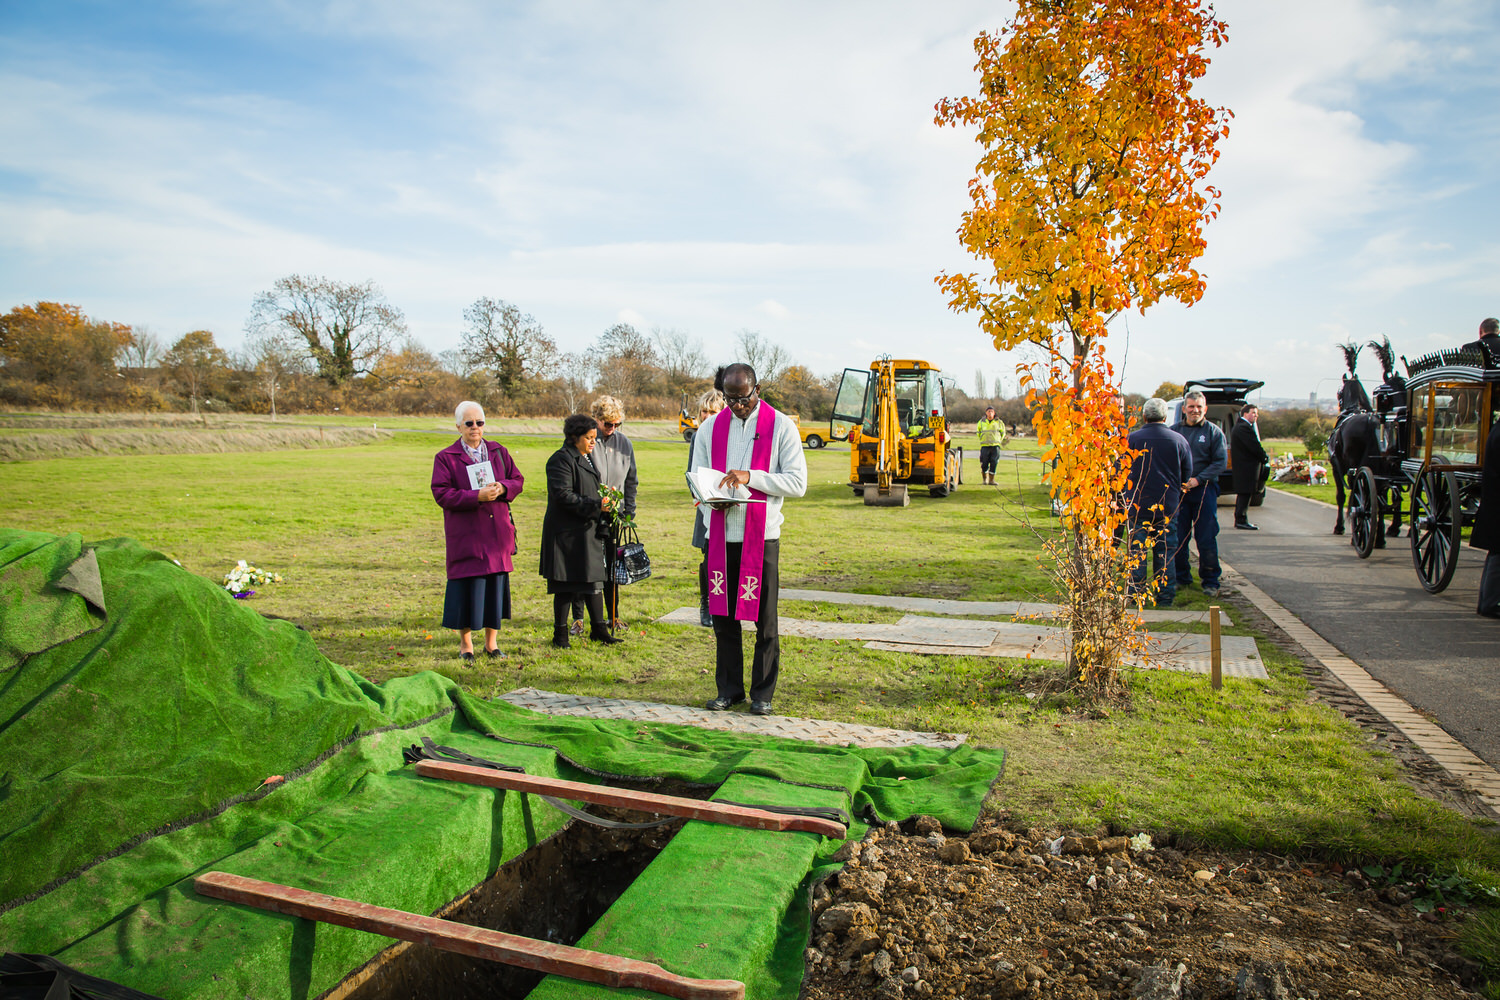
(474, 481)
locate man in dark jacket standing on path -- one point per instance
(1247, 459)
(1157, 476)
(1486, 531)
(1198, 518)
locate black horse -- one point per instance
(1355, 440)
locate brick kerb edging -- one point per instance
(1455, 758)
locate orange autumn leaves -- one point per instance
(1089, 197)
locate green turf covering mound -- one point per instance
(142, 709)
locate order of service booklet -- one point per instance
(481, 474)
(704, 485)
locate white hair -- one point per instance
(1154, 409)
(464, 407)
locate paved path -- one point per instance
(1430, 650)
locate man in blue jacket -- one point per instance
(1198, 517)
(1157, 476)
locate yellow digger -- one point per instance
(892, 415)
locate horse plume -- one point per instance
(1386, 353)
(1351, 355)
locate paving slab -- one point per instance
(736, 720)
(1189, 652)
(989, 609)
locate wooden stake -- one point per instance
(613, 971)
(624, 798)
(1216, 669)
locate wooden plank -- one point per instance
(624, 798)
(465, 939)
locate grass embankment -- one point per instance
(359, 540)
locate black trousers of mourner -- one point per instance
(729, 662)
(1489, 585)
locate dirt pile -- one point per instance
(1004, 913)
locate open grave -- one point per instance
(158, 732)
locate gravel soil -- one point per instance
(1011, 913)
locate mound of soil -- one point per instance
(1005, 913)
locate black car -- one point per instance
(1225, 398)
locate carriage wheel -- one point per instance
(1364, 512)
(1436, 529)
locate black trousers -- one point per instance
(729, 661)
(1489, 585)
(1241, 508)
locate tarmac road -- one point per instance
(1431, 649)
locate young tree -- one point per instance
(1090, 198)
(197, 364)
(507, 343)
(978, 383)
(274, 362)
(347, 328)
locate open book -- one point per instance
(704, 484)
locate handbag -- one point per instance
(632, 565)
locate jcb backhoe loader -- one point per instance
(893, 417)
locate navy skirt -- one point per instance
(475, 602)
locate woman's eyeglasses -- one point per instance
(612, 423)
(473, 423)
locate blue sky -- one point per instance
(771, 166)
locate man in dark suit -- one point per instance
(1248, 461)
(1157, 476)
(1486, 531)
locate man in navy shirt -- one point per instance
(1157, 476)
(1198, 517)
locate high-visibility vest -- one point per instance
(991, 433)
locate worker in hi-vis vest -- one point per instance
(991, 437)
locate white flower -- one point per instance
(1141, 842)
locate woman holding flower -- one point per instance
(474, 481)
(574, 531)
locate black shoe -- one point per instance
(560, 638)
(601, 634)
(494, 654)
(760, 708)
(722, 704)
(1246, 526)
(466, 657)
(704, 618)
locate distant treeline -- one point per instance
(317, 346)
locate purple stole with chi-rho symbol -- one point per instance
(753, 551)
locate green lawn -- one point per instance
(359, 541)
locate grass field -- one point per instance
(359, 541)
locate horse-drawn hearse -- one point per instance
(1424, 436)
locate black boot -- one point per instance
(598, 628)
(560, 638)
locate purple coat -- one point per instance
(481, 537)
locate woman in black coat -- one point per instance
(574, 531)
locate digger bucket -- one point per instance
(897, 497)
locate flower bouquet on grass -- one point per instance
(239, 580)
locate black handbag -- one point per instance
(632, 565)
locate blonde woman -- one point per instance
(710, 403)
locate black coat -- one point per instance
(1246, 456)
(574, 528)
(1486, 531)
(1158, 472)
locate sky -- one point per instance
(712, 168)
